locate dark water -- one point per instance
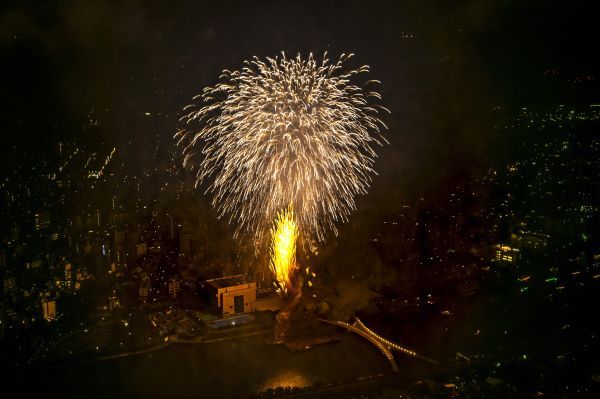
(221, 370)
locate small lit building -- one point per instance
(113, 303)
(507, 254)
(231, 295)
(141, 249)
(9, 285)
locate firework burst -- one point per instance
(283, 131)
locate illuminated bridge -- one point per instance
(386, 347)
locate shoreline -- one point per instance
(171, 341)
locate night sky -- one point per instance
(443, 66)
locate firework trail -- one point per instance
(285, 131)
(284, 234)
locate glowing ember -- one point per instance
(284, 234)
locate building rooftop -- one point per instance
(228, 281)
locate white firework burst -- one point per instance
(283, 132)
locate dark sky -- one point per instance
(443, 64)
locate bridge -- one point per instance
(385, 346)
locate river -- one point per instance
(230, 369)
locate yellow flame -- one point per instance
(284, 234)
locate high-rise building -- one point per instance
(144, 289)
(42, 220)
(49, 309)
(185, 240)
(118, 257)
(68, 275)
(174, 287)
(171, 227)
(119, 238)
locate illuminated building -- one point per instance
(117, 218)
(68, 274)
(49, 309)
(42, 220)
(174, 287)
(35, 263)
(118, 257)
(144, 289)
(530, 240)
(119, 238)
(9, 284)
(34, 271)
(507, 254)
(185, 240)
(113, 303)
(231, 295)
(141, 249)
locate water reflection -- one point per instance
(286, 378)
